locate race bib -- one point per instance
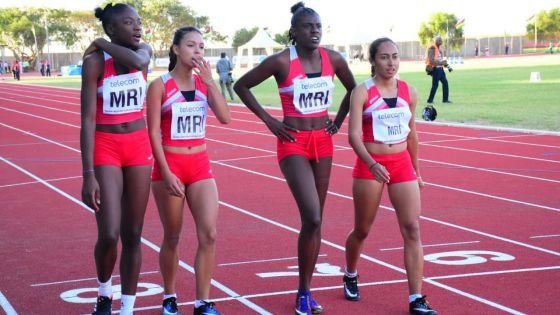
(124, 93)
(313, 95)
(391, 125)
(188, 120)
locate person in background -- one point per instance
(224, 68)
(506, 47)
(43, 68)
(304, 73)
(435, 61)
(116, 154)
(48, 73)
(182, 170)
(16, 68)
(383, 136)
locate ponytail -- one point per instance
(172, 59)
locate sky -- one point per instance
(352, 20)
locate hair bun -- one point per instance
(99, 13)
(297, 6)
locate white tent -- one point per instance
(260, 40)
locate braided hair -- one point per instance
(373, 47)
(298, 10)
(176, 41)
(107, 14)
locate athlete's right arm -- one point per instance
(138, 59)
(271, 66)
(92, 69)
(154, 98)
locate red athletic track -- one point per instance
(486, 191)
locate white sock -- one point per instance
(413, 297)
(105, 288)
(350, 274)
(198, 303)
(166, 296)
(127, 304)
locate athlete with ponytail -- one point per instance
(178, 104)
(116, 153)
(304, 73)
(382, 133)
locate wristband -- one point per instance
(91, 170)
(372, 165)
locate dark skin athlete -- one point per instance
(299, 172)
(118, 195)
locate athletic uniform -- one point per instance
(183, 124)
(307, 95)
(120, 100)
(387, 121)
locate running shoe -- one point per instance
(316, 308)
(170, 306)
(420, 306)
(102, 306)
(303, 305)
(351, 291)
(207, 309)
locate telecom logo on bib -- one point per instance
(391, 125)
(313, 95)
(188, 120)
(124, 93)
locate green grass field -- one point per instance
(485, 91)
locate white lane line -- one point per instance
(530, 204)
(84, 279)
(377, 261)
(350, 198)
(6, 306)
(35, 182)
(263, 261)
(545, 236)
(365, 284)
(433, 245)
(492, 153)
(544, 250)
(184, 265)
(40, 98)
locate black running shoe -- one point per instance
(421, 307)
(102, 306)
(207, 309)
(170, 306)
(351, 291)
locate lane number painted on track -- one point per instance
(89, 295)
(323, 270)
(466, 257)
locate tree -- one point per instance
(548, 25)
(161, 18)
(242, 36)
(282, 38)
(442, 24)
(24, 31)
